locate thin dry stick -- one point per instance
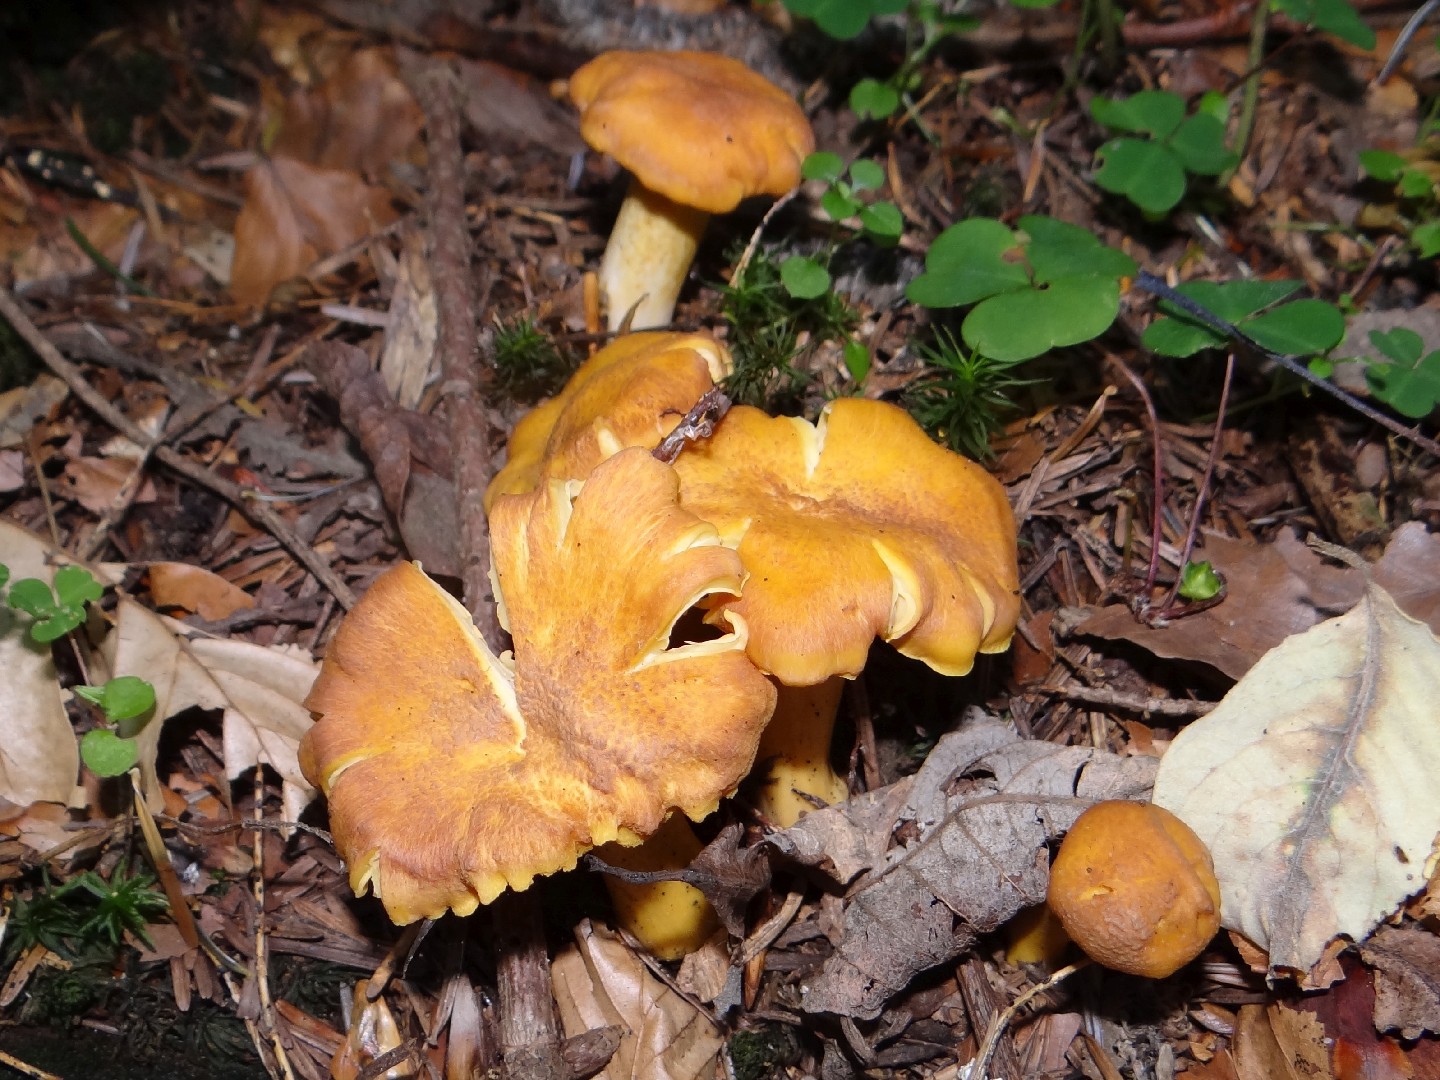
(25, 1070)
(261, 967)
(1001, 1022)
(1167, 608)
(1158, 490)
(530, 1037)
(471, 428)
(241, 498)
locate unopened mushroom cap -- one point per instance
(631, 393)
(452, 774)
(701, 129)
(1135, 888)
(856, 528)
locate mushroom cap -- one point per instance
(701, 129)
(631, 393)
(855, 528)
(452, 774)
(1135, 888)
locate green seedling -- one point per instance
(1200, 582)
(926, 26)
(1044, 286)
(1415, 211)
(843, 19)
(1160, 146)
(129, 703)
(1410, 383)
(56, 610)
(1299, 328)
(88, 912)
(964, 397)
(806, 277)
(1331, 16)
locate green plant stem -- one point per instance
(1103, 11)
(98, 258)
(1250, 96)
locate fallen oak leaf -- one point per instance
(603, 984)
(1306, 781)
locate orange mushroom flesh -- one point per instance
(453, 774)
(631, 393)
(698, 132)
(1135, 888)
(854, 528)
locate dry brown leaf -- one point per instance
(193, 588)
(1308, 781)
(1406, 960)
(982, 854)
(293, 214)
(22, 407)
(1275, 590)
(259, 689)
(39, 757)
(358, 119)
(600, 981)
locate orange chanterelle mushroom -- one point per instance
(854, 528)
(453, 774)
(698, 132)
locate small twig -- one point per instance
(1158, 481)
(1153, 285)
(699, 423)
(257, 512)
(1402, 42)
(261, 967)
(1168, 609)
(24, 1069)
(1116, 699)
(749, 253)
(1001, 1022)
(465, 380)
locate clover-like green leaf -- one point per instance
(871, 99)
(804, 278)
(75, 586)
(107, 754)
(1019, 325)
(1150, 112)
(1199, 143)
(1149, 174)
(968, 262)
(1411, 383)
(882, 221)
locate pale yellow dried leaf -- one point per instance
(1313, 781)
(601, 981)
(39, 758)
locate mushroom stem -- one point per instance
(796, 747)
(670, 918)
(650, 251)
